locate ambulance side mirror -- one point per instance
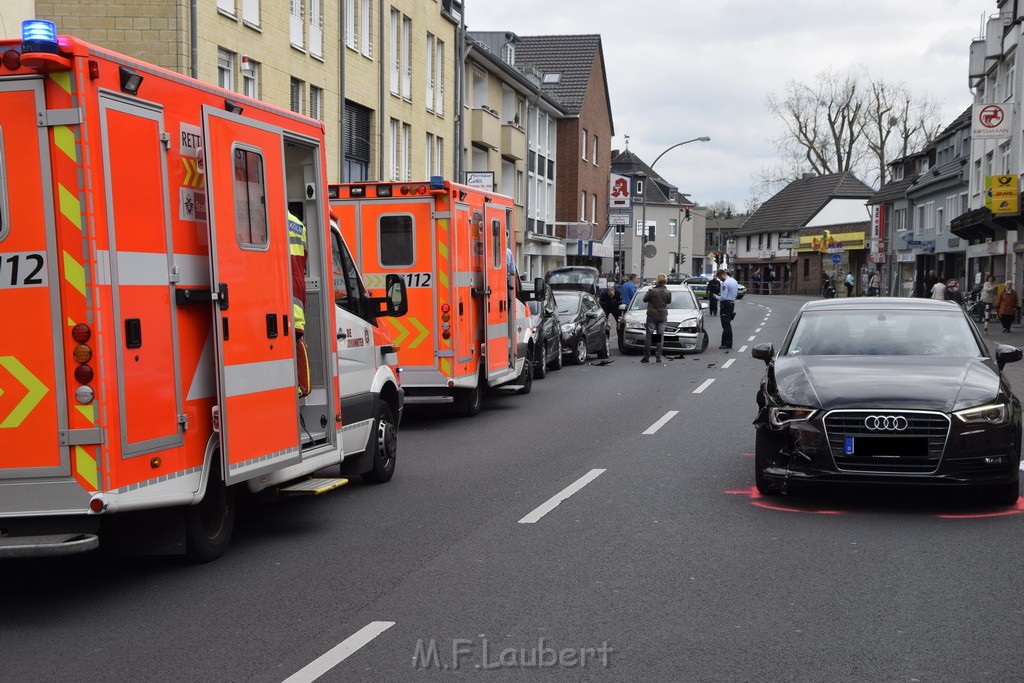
(396, 302)
(539, 287)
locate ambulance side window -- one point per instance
(496, 254)
(5, 220)
(395, 240)
(346, 278)
(250, 199)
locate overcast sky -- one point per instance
(681, 69)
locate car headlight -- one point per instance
(991, 414)
(783, 415)
(569, 327)
(633, 325)
(689, 322)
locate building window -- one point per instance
(406, 152)
(748, 244)
(593, 208)
(251, 79)
(295, 24)
(296, 95)
(225, 69)
(350, 24)
(769, 245)
(226, 6)
(899, 219)
(365, 22)
(394, 52)
(406, 60)
(251, 12)
(440, 156)
(583, 144)
(939, 213)
(395, 153)
(583, 206)
(593, 151)
(316, 29)
(428, 72)
(439, 80)
(316, 102)
(429, 156)
(672, 227)
(356, 142)
(919, 227)
(394, 240)
(250, 199)
(1004, 155)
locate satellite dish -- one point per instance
(650, 251)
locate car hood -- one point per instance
(910, 383)
(675, 315)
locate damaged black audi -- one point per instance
(887, 390)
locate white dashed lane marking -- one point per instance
(702, 387)
(560, 496)
(662, 422)
(728, 363)
(742, 349)
(752, 338)
(339, 653)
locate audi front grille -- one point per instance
(893, 441)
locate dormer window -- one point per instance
(897, 173)
(552, 78)
(508, 53)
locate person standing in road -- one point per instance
(755, 280)
(1006, 303)
(657, 299)
(873, 283)
(714, 287)
(850, 282)
(727, 305)
(626, 293)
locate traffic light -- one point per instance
(687, 213)
(718, 258)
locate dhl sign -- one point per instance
(1002, 194)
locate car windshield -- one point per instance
(572, 277)
(567, 303)
(884, 333)
(681, 300)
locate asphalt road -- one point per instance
(660, 564)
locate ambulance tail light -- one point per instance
(83, 374)
(82, 353)
(12, 60)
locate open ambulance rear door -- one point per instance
(255, 341)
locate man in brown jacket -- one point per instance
(657, 299)
(1006, 304)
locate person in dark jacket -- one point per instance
(610, 301)
(714, 289)
(657, 299)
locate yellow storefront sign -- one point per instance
(1002, 194)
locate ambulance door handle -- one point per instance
(342, 335)
(284, 323)
(271, 326)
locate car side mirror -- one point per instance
(622, 307)
(704, 305)
(763, 352)
(1007, 354)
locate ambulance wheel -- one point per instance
(526, 377)
(384, 441)
(540, 360)
(606, 350)
(556, 362)
(209, 524)
(472, 399)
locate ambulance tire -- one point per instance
(472, 400)
(209, 524)
(540, 360)
(384, 444)
(526, 377)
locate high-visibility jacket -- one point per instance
(298, 252)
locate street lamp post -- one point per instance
(643, 200)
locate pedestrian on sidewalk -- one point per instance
(727, 306)
(1006, 304)
(657, 299)
(873, 283)
(989, 291)
(714, 289)
(850, 281)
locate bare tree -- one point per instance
(846, 122)
(721, 209)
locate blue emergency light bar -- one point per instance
(38, 35)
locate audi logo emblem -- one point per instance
(885, 423)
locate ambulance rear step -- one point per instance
(313, 486)
(426, 399)
(47, 545)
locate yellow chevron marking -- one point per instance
(65, 141)
(188, 172)
(85, 465)
(403, 331)
(424, 333)
(63, 79)
(74, 273)
(36, 391)
(442, 249)
(373, 280)
(89, 412)
(70, 207)
(446, 366)
(443, 277)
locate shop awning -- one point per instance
(979, 224)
